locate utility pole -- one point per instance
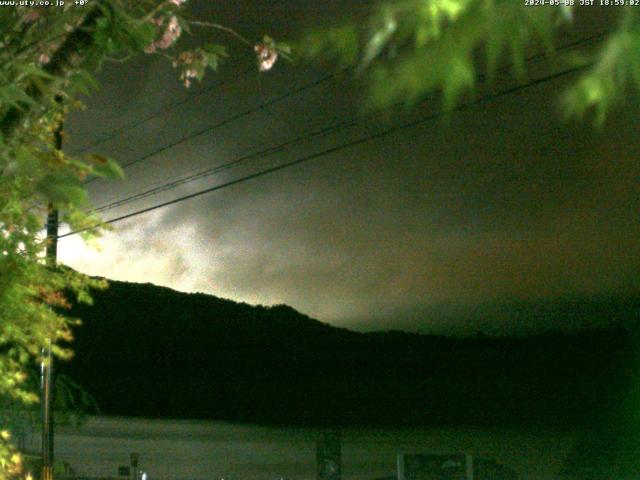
(46, 379)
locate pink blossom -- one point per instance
(177, 2)
(267, 56)
(174, 27)
(43, 59)
(169, 36)
(187, 75)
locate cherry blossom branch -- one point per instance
(221, 27)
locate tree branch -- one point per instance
(69, 56)
(221, 27)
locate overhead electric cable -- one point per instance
(337, 148)
(227, 120)
(233, 163)
(162, 110)
(304, 88)
(277, 148)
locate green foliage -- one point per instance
(410, 49)
(614, 74)
(11, 464)
(120, 33)
(338, 45)
(213, 54)
(48, 57)
(72, 405)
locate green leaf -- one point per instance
(459, 78)
(62, 189)
(494, 44)
(142, 35)
(84, 82)
(28, 163)
(518, 40)
(15, 97)
(339, 44)
(106, 167)
(284, 48)
(219, 50)
(36, 71)
(200, 71)
(212, 54)
(212, 61)
(379, 39)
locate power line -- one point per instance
(337, 148)
(166, 108)
(223, 122)
(295, 92)
(227, 120)
(228, 165)
(275, 149)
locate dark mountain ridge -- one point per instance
(152, 351)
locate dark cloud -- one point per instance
(505, 202)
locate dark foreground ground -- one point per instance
(202, 450)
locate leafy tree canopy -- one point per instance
(413, 48)
(49, 56)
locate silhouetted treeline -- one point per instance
(151, 351)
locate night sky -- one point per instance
(417, 230)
